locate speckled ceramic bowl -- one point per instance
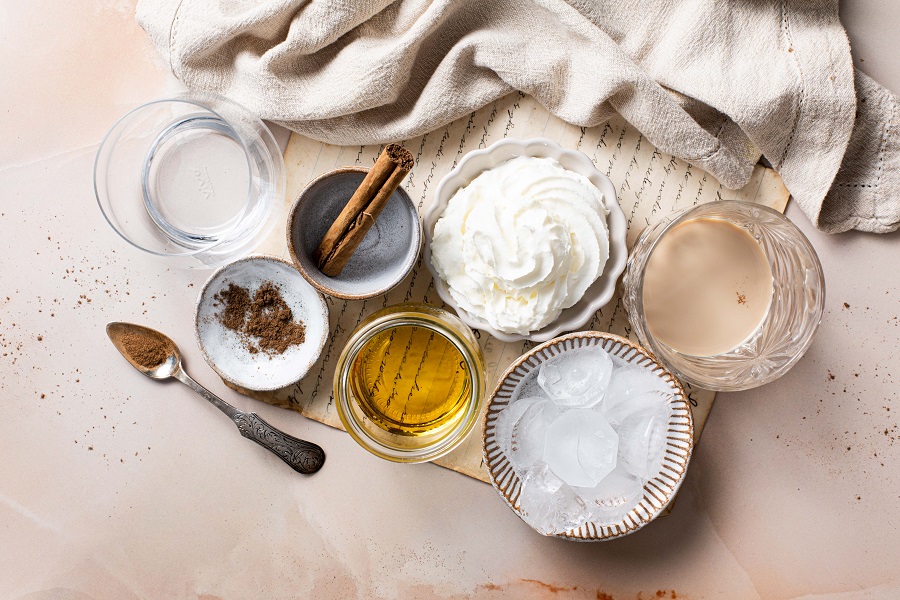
(227, 353)
(385, 256)
(478, 161)
(657, 493)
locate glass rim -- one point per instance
(407, 316)
(186, 98)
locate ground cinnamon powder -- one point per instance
(265, 322)
(237, 302)
(146, 349)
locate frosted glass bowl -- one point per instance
(478, 161)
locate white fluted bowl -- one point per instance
(478, 161)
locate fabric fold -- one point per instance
(715, 82)
(865, 195)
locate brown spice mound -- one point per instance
(265, 322)
(237, 302)
(146, 349)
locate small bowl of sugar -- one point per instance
(587, 437)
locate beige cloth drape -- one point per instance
(715, 82)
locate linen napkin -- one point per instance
(715, 82)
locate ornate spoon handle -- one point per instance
(302, 456)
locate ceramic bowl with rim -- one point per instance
(656, 493)
(384, 258)
(227, 353)
(474, 164)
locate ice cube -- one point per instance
(632, 381)
(521, 429)
(548, 504)
(631, 390)
(577, 377)
(507, 419)
(581, 447)
(528, 387)
(614, 497)
(619, 362)
(649, 402)
(642, 441)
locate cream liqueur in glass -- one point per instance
(707, 287)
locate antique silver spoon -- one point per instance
(136, 344)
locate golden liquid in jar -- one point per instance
(410, 380)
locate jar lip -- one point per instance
(379, 323)
(404, 319)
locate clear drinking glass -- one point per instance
(197, 179)
(786, 331)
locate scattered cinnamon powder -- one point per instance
(146, 348)
(265, 322)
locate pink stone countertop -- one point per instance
(112, 486)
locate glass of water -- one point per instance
(197, 179)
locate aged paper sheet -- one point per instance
(649, 183)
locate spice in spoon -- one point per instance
(146, 348)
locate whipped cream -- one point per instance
(521, 243)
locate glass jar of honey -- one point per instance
(409, 384)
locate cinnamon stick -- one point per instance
(350, 228)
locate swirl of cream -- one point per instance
(521, 243)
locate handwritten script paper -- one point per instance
(649, 183)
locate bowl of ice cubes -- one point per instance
(587, 437)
